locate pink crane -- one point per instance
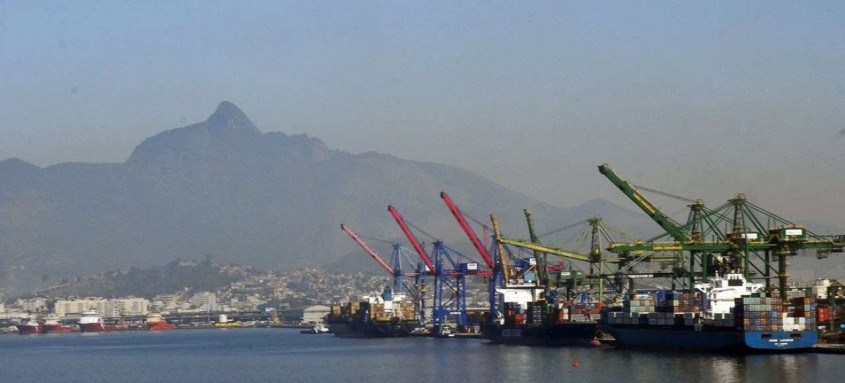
(468, 230)
(367, 248)
(413, 239)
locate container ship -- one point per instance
(384, 315)
(529, 321)
(724, 315)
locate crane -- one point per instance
(369, 250)
(668, 224)
(488, 260)
(542, 270)
(449, 284)
(411, 238)
(395, 270)
(748, 246)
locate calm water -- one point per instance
(284, 355)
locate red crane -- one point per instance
(367, 248)
(412, 238)
(468, 230)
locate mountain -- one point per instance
(222, 188)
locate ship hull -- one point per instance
(725, 340)
(160, 326)
(371, 329)
(92, 327)
(28, 329)
(58, 329)
(562, 334)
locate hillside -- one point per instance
(223, 188)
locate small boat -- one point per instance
(318, 328)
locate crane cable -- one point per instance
(665, 194)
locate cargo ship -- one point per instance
(727, 314)
(527, 320)
(384, 315)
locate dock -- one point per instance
(829, 348)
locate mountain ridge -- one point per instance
(223, 188)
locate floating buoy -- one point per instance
(575, 363)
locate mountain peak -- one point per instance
(230, 117)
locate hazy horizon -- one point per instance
(701, 100)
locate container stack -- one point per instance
(406, 310)
(678, 302)
(637, 304)
(535, 314)
(377, 312)
(765, 314)
(802, 315)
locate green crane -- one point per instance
(745, 244)
(542, 268)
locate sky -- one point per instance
(699, 99)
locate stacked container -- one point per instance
(764, 314)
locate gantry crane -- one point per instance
(449, 283)
(479, 247)
(747, 247)
(395, 270)
(600, 270)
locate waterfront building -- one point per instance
(32, 305)
(108, 308)
(315, 314)
(205, 301)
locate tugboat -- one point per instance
(318, 328)
(155, 322)
(28, 326)
(53, 325)
(91, 321)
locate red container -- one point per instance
(823, 314)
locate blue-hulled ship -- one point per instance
(723, 315)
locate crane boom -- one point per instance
(668, 224)
(544, 249)
(468, 230)
(367, 248)
(411, 238)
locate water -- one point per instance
(285, 355)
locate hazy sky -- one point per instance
(703, 99)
